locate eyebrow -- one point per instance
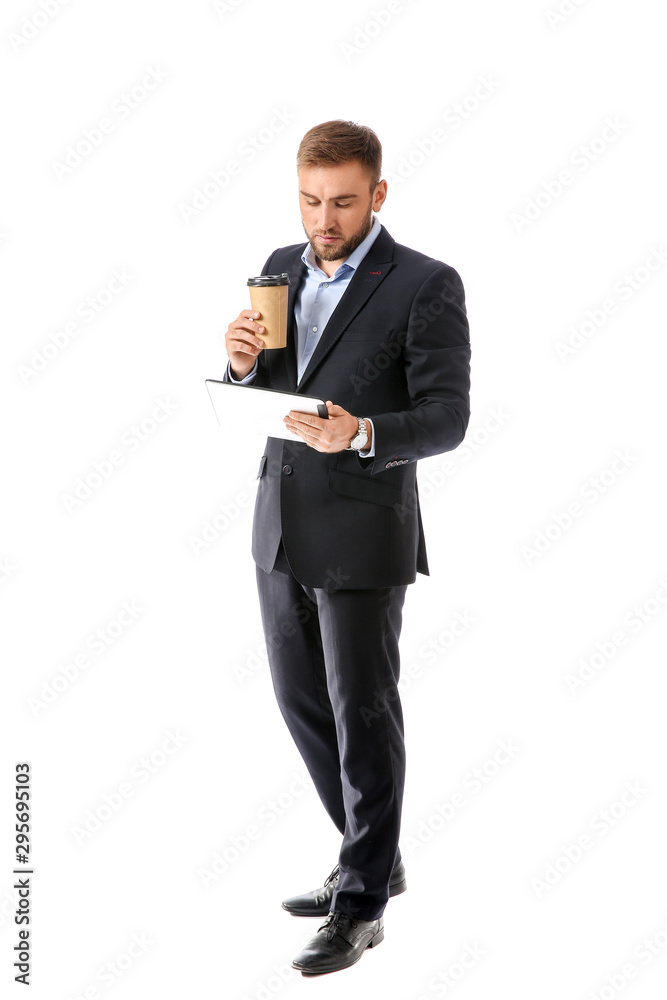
(338, 197)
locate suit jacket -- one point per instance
(395, 349)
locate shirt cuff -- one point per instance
(371, 451)
(241, 381)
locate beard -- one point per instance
(340, 250)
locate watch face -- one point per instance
(360, 440)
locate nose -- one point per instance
(327, 218)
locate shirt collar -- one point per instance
(355, 258)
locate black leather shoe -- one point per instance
(318, 902)
(339, 943)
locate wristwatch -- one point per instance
(360, 440)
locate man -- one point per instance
(380, 332)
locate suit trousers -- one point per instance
(334, 661)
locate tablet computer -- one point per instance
(259, 410)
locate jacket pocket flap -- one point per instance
(361, 488)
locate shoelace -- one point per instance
(334, 875)
(333, 921)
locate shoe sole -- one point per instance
(394, 890)
(371, 944)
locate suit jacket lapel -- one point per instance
(369, 275)
(367, 278)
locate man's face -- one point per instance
(337, 207)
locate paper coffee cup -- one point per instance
(268, 296)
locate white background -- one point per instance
(190, 659)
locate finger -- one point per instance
(246, 327)
(245, 337)
(304, 437)
(304, 431)
(295, 427)
(305, 418)
(250, 314)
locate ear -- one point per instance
(379, 196)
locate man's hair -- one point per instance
(338, 141)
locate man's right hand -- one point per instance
(242, 343)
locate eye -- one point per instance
(341, 204)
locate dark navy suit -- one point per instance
(338, 537)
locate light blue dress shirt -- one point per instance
(316, 301)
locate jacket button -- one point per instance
(287, 470)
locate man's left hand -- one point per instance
(330, 435)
